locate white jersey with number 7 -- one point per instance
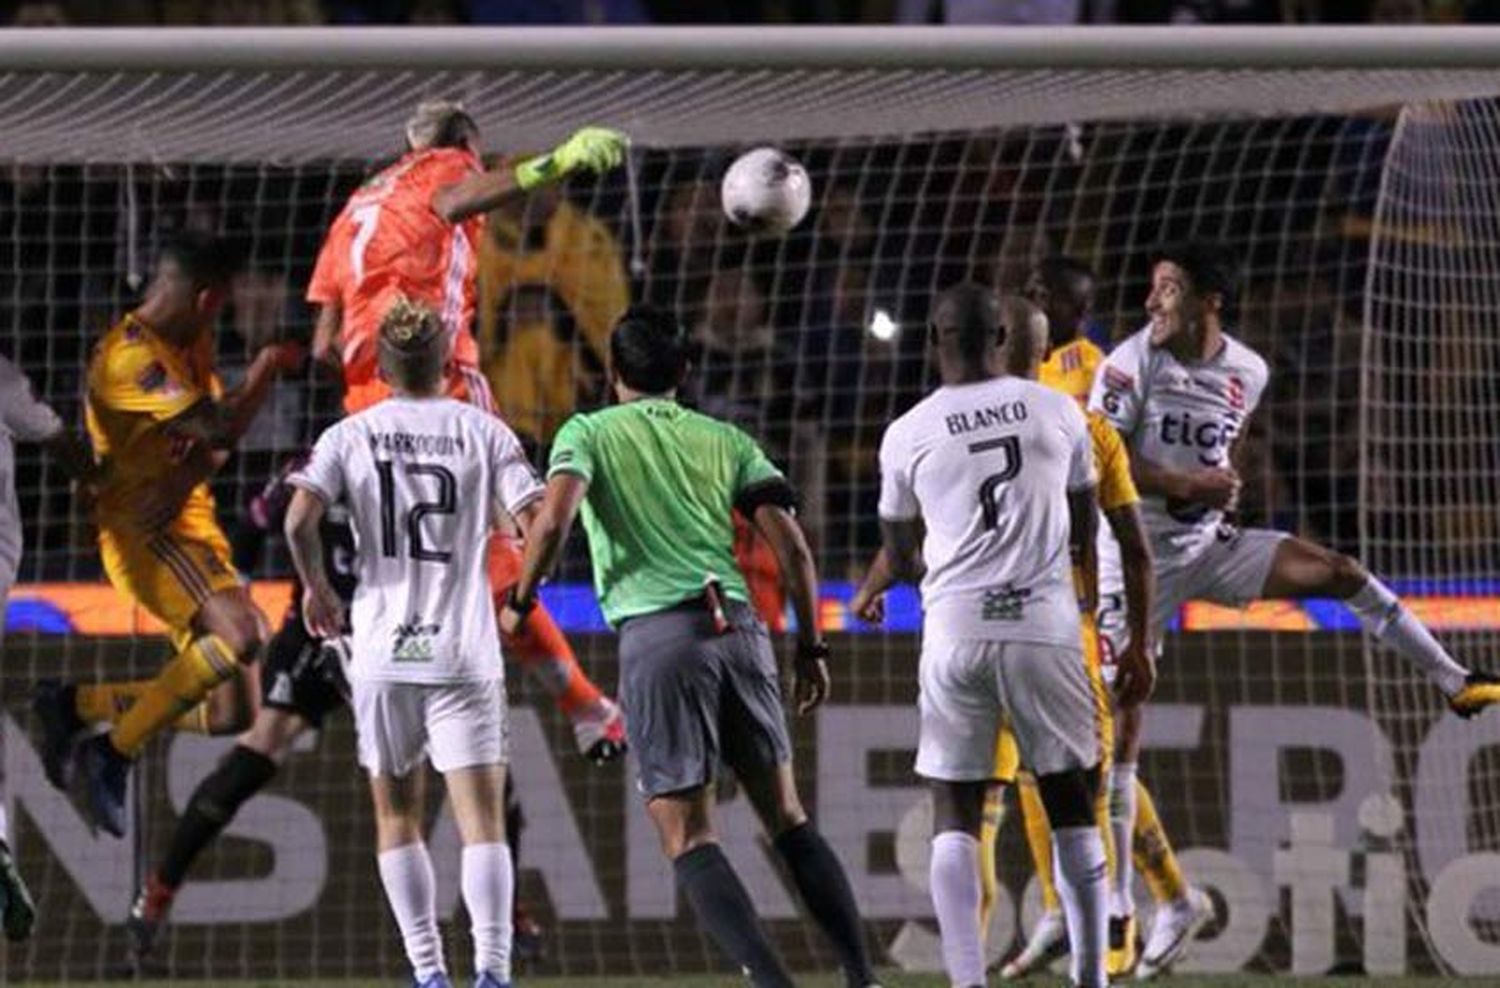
(420, 478)
(988, 467)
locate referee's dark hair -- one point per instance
(1211, 267)
(969, 313)
(202, 259)
(648, 350)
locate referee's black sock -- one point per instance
(241, 774)
(726, 914)
(825, 890)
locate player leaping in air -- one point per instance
(161, 425)
(1181, 392)
(412, 231)
(1064, 289)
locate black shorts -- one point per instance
(302, 675)
(695, 700)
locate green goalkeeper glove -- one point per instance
(593, 149)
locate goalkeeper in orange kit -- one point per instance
(413, 231)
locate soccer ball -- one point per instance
(766, 191)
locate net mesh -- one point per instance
(1427, 461)
(813, 342)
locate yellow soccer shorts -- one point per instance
(1008, 755)
(171, 574)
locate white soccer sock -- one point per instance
(488, 883)
(4, 823)
(1122, 827)
(1082, 889)
(954, 876)
(406, 873)
(1391, 624)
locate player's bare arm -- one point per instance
(591, 149)
(868, 602)
(546, 526)
(1137, 663)
(325, 341)
(799, 574)
(1211, 487)
(221, 423)
(1083, 512)
(322, 610)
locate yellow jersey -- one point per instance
(137, 380)
(1070, 369)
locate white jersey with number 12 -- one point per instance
(421, 478)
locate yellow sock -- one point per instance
(180, 686)
(1153, 851)
(98, 703)
(105, 702)
(989, 835)
(1038, 838)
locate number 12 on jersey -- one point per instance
(445, 503)
(1008, 448)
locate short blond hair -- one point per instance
(413, 345)
(439, 123)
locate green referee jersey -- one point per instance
(662, 482)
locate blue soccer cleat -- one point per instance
(105, 775)
(487, 979)
(52, 702)
(439, 980)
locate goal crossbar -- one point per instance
(294, 95)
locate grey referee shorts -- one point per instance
(694, 698)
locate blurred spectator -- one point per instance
(687, 243)
(575, 268)
(735, 343)
(243, 13)
(556, 12)
(543, 371)
(39, 15)
(1001, 11)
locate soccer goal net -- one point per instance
(1339, 817)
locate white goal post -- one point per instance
(1352, 169)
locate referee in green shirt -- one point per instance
(656, 483)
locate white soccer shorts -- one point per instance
(969, 685)
(459, 725)
(1231, 570)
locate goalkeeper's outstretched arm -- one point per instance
(591, 149)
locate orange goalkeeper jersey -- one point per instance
(388, 242)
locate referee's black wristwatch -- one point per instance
(523, 608)
(816, 652)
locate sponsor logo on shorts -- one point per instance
(1005, 603)
(414, 642)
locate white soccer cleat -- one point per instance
(1173, 929)
(1048, 939)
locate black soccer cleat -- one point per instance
(106, 774)
(148, 915)
(1480, 690)
(17, 908)
(62, 728)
